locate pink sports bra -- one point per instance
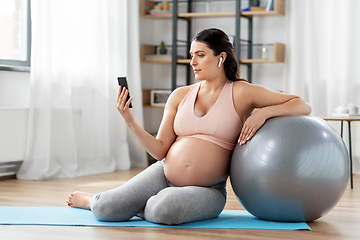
(221, 125)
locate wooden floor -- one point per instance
(343, 222)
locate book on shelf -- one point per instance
(253, 9)
(270, 5)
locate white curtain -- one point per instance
(323, 57)
(79, 48)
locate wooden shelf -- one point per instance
(156, 61)
(191, 15)
(217, 14)
(151, 50)
(279, 52)
(184, 61)
(146, 99)
(146, 49)
(165, 15)
(279, 9)
(205, 15)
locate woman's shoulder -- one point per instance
(183, 89)
(241, 87)
(181, 92)
(178, 94)
(241, 83)
(244, 87)
(246, 93)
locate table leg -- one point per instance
(350, 152)
(342, 125)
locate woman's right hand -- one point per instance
(250, 127)
(123, 106)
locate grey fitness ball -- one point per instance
(295, 168)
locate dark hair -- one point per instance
(219, 42)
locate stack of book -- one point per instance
(269, 7)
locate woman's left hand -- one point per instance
(251, 125)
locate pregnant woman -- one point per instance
(201, 125)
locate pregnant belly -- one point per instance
(196, 162)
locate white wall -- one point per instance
(14, 89)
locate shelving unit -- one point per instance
(279, 52)
(278, 48)
(146, 99)
(279, 9)
(151, 50)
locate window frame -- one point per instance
(17, 65)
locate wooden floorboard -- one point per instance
(343, 222)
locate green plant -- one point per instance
(162, 48)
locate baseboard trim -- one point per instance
(9, 177)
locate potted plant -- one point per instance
(163, 49)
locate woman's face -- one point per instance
(203, 61)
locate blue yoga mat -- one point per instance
(66, 216)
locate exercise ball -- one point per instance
(295, 168)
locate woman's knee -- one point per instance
(161, 209)
(127, 200)
(178, 205)
(105, 210)
(100, 208)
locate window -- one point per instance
(15, 35)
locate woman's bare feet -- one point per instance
(79, 200)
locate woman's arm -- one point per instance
(270, 104)
(156, 147)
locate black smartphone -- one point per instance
(123, 83)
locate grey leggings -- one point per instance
(150, 196)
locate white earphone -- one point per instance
(221, 58)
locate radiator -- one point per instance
(13, 132)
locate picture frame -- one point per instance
(159, 97)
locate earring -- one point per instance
(221, 58)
